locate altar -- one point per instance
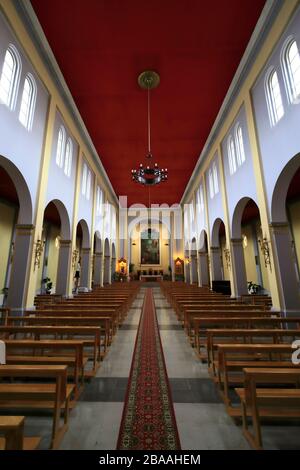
(151, 277)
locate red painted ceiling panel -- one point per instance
(101, 47)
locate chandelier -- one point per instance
(149, 175)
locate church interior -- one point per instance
(149, 225)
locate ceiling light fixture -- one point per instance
(149, 175)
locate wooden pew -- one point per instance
(236, 357)
(12, 430)
(103, 323)
(36, 332)
(201, 324)
(222, 335)
(57, 347)
(268, 401)
(38, 395)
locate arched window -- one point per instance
(28, 102)
(291, 66)
(200, 199)
(10, 77)
(239, 141)
(215, 175)
(88, 185)
(84, 179)
(274, 99)
(60, 146)
(68, 158)
(211, 183)
(99, 201)
(231, 155)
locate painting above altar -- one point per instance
(150, 247)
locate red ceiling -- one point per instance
(101, 47)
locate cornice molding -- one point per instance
(262, 28)
(37, 35)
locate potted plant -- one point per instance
(253, 288)
(47, 285)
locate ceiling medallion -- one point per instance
(149, 175)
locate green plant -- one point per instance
(131, 266)
(253, 288)
(48, 284)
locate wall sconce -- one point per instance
(264, 246)
(133, 244)
(74, 258)
(227, 257)
(39, 248)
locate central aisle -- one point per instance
(200, 414)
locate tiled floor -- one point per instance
(201, 417)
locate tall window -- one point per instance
(61, 139)
(99, 201)
(211, 183)
(200, 199)
(215, 177)
(10, 76)
(28, 102)
(291, 61)
(274, 99)
(231, 155)
(86, 181)
(68, 158)
(241, 157)
(113, 223)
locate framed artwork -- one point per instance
(150, 247)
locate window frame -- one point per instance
(15, 79)
(31, 102)
(271, 98)
(60, 157)
(289, 78)
(240, 145)
(68, 158)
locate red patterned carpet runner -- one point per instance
(148, 421)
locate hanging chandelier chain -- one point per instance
(149, 123)
(149, 175)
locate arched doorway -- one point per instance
(57, 249)
(285, 230)
(107, 263)
(218, 241)
(248, 265)
(113, 260)
(204, 278)
(98, 261)
(84, 253)
(16, 234)
(194, 262)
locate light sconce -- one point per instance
(39, 248)
(74, 258)
(265, 249)
(227, 257)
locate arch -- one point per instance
(65, 230)
(98, 242)
(215, 239)
(203, 241)
(278, 202)
(86, 242)
(25, 202)
(236, 223)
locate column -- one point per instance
(85, 267)
(63, 268)
(21, 262)
(107, 270)
(290, 294)
(216, 264)
(98, 269)
(238, 267)
(203, 270)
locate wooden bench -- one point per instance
(283, 401)
(38, 395)
(12, 430)
(64, 332)
(49, 348)
(236, 357)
